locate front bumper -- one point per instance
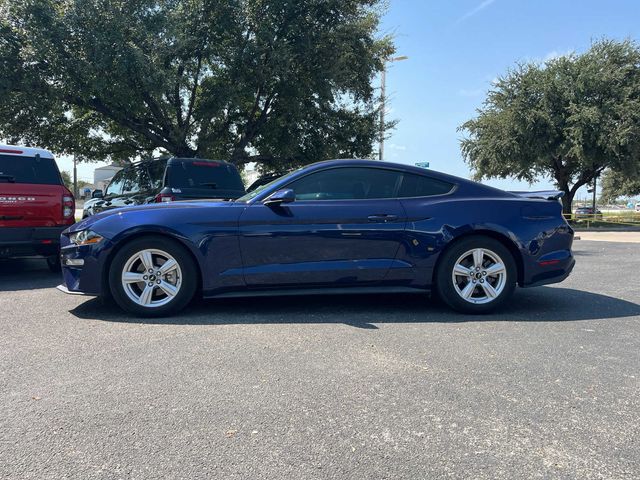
(63, 288)
(83, 267)
(16, 242)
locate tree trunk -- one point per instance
(184, 151)
(567, 201)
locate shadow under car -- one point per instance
(543, 304)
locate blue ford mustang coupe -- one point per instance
(339, 226)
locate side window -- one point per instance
(115, 185)
(349, 183)
(131, 181)
(422, 186)
(156, 173)
(145, 180)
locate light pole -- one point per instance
(383, 99)
(75, 177)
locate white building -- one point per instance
(250, 173)
(103, 175)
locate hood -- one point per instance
(124, 211)
(93, 201)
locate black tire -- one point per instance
(189, 277)
(53, 262)
(448, 292)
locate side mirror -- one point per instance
(281, 196)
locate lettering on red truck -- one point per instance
(16, 199)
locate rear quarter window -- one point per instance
(156, 171)
(41, 171)
(422, 186)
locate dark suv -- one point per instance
(167, 180)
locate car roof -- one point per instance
(172, 160)
(463, 186)
(405, 167)
(19, 151)
(192, 159)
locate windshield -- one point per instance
(42, 171)
(254, 193)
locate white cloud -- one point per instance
(394, 146)
(475, 10)
(552, 55)
(556, 54)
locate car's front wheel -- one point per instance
(152, 277)
(476, 275)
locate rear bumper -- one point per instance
(16, 242)
(556, 275)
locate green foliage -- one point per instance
(616, 185)
(276, 81)
(67, 179)
(569, 119)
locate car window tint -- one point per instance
(255, 192)
(115, 185)
(347, 184)
(205, 174)
(156, 173)
(144, 179)
(131, 182)
(42, 171)
(422, 186)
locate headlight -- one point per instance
(85, 237)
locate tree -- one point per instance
(568, 119)
(280, 82)
(67, 179)
(616, 185)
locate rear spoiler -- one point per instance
(544, 194)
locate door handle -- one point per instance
(382, 218)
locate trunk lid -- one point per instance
(543, 194)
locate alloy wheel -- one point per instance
(479, 276)
(151, 278)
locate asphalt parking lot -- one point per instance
(362, 387)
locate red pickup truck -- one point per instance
(35, 206)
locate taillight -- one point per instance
(68, 206)
(164, 197)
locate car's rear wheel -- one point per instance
(476, 275)
(153, 277)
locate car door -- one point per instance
(344, 228)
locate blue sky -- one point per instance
(457, 47)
